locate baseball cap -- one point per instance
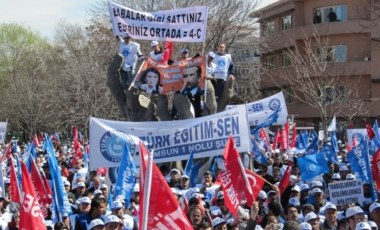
(294, 202)
(262, 195)
(127, 35)
(175, 171)
(81, 184)
(316, 184)
(310, 216)
(372, 224)
(97, 192)
(185, 176)
(67, 182)
(350, 176)
(335, 176)
(136, 188)
(184, 50)
(330, 206)
(96, 222)
(343, 168)
(116, 205)
(374, 206)
(217, 221)
(305, 226)
(85, 200)
(154, 43)
(103, 186)
(211, 54)
(111, 219)
(362, 226)
(304, 187)
(293, 179)
(296, 188)
(316, 190)
(352, 211)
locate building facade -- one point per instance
(351, 50)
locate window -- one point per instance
(286, 22)
(285, 59)
(269, 28)
(270, 62)
(337, 13)
(336, 53)
(331, 93)
(340, 92)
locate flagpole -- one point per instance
(147, 190)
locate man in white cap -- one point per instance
(355, 215)
(313, 220)
(219, 224)
(331, 217)
(96, 224)
(112, 222)
(157, 52)
(131, 52)
(374, 211)
(362, 226)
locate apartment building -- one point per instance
(351, 31)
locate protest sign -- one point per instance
(186, 76)
(171, 140)
(356, 135)
(178, 25)
(3, 130)
(346, 192)
(271, 110)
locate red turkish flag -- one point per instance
(15, 190)
(256, 182)
(168, 51)
(294, 136)
(370, 132)
(375, 168)
(285, 181)
(164, 211)
(7, 152)
(285, 136)
(43, 195)
(30, 214)
(35, 141)
(235, 182)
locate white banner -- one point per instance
(171, 140)
(266, 110)
(3, 131)
(178, 25)
(346, 192)
(359, 134)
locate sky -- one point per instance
(42, 16)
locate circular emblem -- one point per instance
(312, 167)
(125, 52)
(274, 104)
(112, 142)
(221, 63)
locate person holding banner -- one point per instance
(150, 81)
(156, 53)
(224, 69)
(131, 54)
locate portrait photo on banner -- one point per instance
(186, 77)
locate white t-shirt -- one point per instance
(156, 57)
(210, 69)
(223, 63)
(130, 52)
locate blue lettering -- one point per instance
(208, 130)
(176, 137)
(257, 107)
(219, 125)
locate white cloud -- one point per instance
(43, 15)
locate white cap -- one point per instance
(154, 43)
(362, 226)
(293, 179)
(216, 221)
(67, 182)
(85, 200)
(175, 170)
(350, 176)
(330, 206)
(304, 187)
(96, 222)
(262, 195)
(136, 188)
(81, 184)
(372, 224)
(335, 176)
(116, 205)
(316, 190)
(294, 202)
(305, 226)
(356, 210)
(310, 216)
(111, 219)
(374, 206)
(316, 183)
(296, 188)
(97, 192)
(103, 186)
(211, 54)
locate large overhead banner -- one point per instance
(271, 110)
(179, 25)
(170, 140)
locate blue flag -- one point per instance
(258, 155)
(358, 158)
(334, 142)
(313, 146)
(189, 164)
(301, 142)
(269, 121)
(194, 174)
(312, 165)
(126, 176)
(61, 206)
(329, 154)
(376, 139)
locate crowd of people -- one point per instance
(302, 205)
